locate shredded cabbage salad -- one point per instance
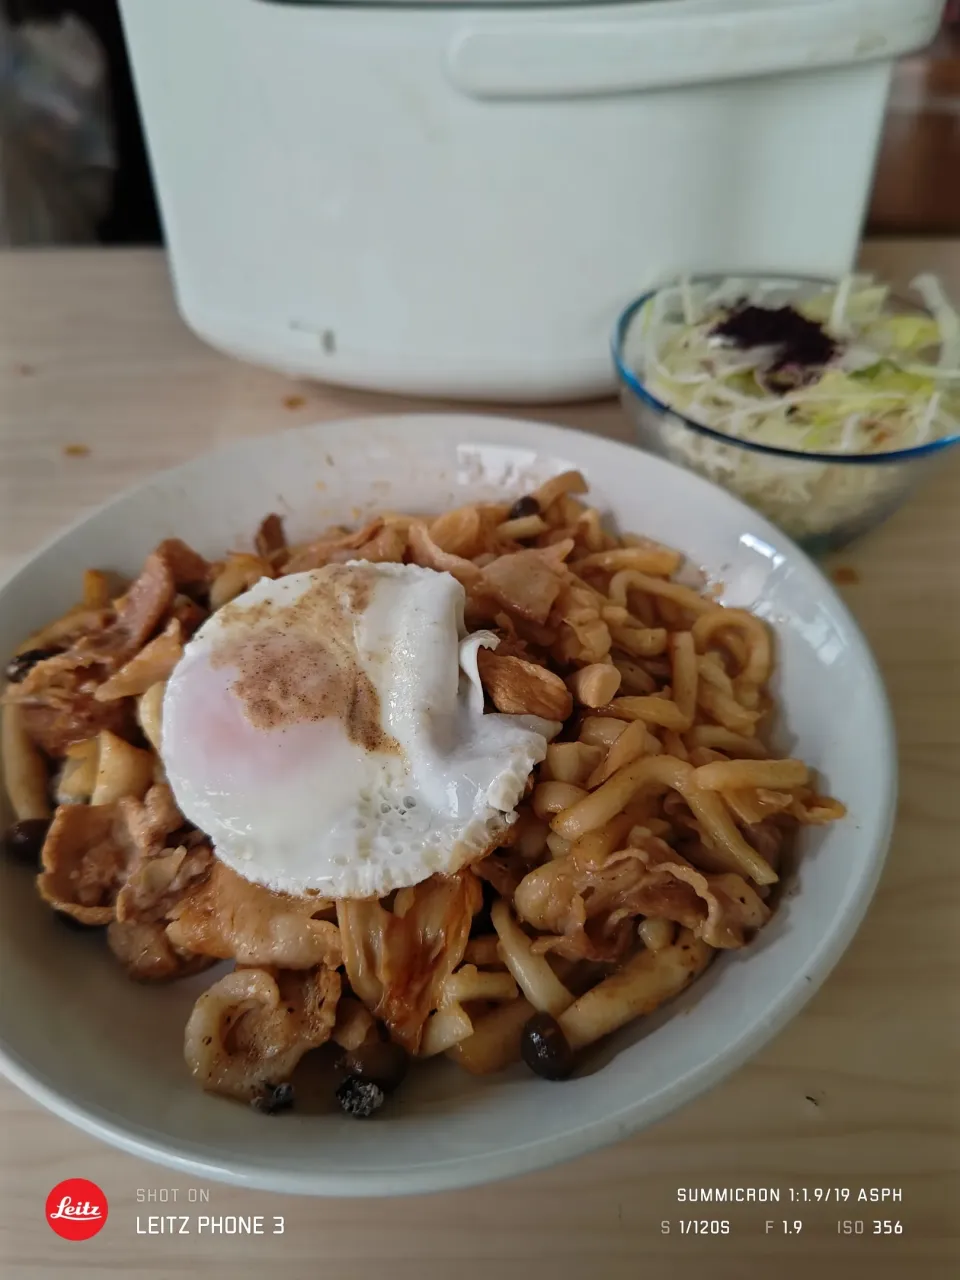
(843, 370)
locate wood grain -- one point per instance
(860, 1090)
(917, 182)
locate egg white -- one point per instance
(303, 808)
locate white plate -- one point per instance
(107, 1055)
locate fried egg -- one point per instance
(327, 731)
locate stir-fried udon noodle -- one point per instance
(648, 840)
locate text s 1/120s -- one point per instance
(696, 1227)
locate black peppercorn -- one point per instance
(481, 922)
(381, 1061)
(273, 1098)
(360, 1098)
(545, 1049)
(24, 840)
(525, 506)
(19, 668)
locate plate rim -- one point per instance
(464, 1171)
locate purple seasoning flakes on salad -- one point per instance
(798, 342)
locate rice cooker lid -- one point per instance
(818, 11)
(484, 4)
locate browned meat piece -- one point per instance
(189, 614)
(526, 582)
(149, 599)
(517, 687)
(330, 548)
(149, 823)
(58, 695)
(142, 947)
(90, 850)
(156, 882)
(251, 1028)
(270, 537)
(424, 551)
(230, 918)
(460, 532)
(585, 904)
(387, 547)
(151, 665)
(189, 569)
(165, 861)
(75, 624)
(83, 862)
(58, 703)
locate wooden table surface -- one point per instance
(861, 1090)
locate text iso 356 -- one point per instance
(877, 1227)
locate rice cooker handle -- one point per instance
(551, 56)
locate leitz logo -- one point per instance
(76, 1209)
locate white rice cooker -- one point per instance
(457, 199)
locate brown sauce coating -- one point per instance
(296, 663)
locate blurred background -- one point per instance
(917, 188)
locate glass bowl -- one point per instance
(822, 500)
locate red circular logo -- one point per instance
(76, 1209)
